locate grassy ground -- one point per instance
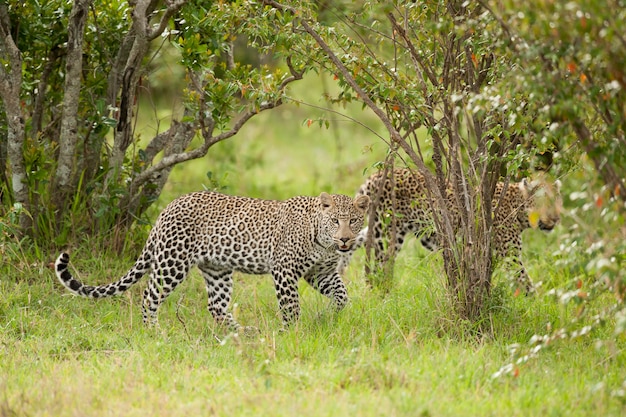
(400, 355)
(404, 354)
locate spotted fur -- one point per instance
(412, 214)
(298, 237)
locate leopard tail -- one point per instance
(141, 266)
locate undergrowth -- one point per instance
(401, 353)
(398, 354)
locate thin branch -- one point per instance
(415, 56)
(396, 137)
(171, 10)
(207, 131)
(345, 116)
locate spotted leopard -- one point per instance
(218, 233)
(522, 202)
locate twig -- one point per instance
(180, 319)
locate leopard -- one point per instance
(525, 204)
(300, 237)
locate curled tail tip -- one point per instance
(62, 272)
(63, 259)
(61, 265)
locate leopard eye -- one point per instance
(336, 221)
(354, 221)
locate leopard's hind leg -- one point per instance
(164, 279)
(219, 287)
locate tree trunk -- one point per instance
(10, 88)
(63, 181)
(128, 77)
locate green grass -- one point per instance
(404, 354)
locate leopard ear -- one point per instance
(362, 202)
(326, 200)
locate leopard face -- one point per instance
(543, 204)
(220, 234)
(343, 219)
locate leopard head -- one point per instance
(543, 203)
(342, 219)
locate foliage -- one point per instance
(468, 92)
(569, 62)
(499, 91)
(428, 67)
(375, 357)
(591, 254)
(379, 356)
(72, 154)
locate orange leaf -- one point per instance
(583, 78)
(308, 123)
(335, 77)
(599, 201)
(582, 294)
(395, 107)
(517, 292)
(475, 60)
(515, 372)
(571, 67)
(579, 284)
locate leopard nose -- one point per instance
(344, 239)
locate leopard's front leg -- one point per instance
(327, 282)
(286, 286)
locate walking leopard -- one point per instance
(298, 237)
